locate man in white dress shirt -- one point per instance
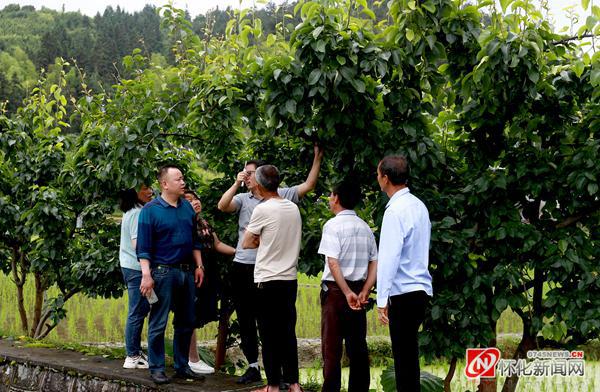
(403, 279)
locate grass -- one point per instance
(93, 321)
(589, 383)
(98, 320)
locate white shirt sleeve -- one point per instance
(257, 221)
(390, 249)
(330, 243)
(372, 248)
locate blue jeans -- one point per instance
(175, 290)
(137, 311)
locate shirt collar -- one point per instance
(164, 203)
(346, 212)
(397, 195)
(254, 197)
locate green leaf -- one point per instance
(431, 40)
(316, 32)
(431, 383)
(314, 76)
(578, 68)
(429, 6)
(388, 379)
(504, 4)
(595, 77)
(548, 332)
(590, 22)
(410, 35)
(428, 381)
(341, 60)
(290, 106)
(563, 245)
(533, 75)
(585, 4)
(369, 13)
(523, 51)
(320, 46)
(436, 312)
(359, 85)
(501, 304)
(592, 188)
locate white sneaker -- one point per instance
(201, 367)
(138, 362)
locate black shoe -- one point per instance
(159, 377)
(188, 374)
(251, 375)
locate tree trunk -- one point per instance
(222, 338)
(529, 341)
(450, 375)
(16, 262)
(38, 329)
(40, 332)
(488, 384)
(39, 301)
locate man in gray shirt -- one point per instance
(245, 292)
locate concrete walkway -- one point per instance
(49, 370)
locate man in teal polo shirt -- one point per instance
(169, 254)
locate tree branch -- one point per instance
(573, 38)
(526, 286)
(182, 135)
(576, 218)
(47, 313)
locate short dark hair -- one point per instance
(128, 199)
(395, 167)
(191, 192)
(348, 193)
(164, 169)
(256, 162)
(267, 176)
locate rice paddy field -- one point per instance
(93, 321)
(98, 320)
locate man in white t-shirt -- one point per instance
(242, 271)
(350, 251)
(275, 228)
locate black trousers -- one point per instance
(339, 323)
(406, 313)
(277, 327)
(245, 302)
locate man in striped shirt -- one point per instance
(350, 271)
